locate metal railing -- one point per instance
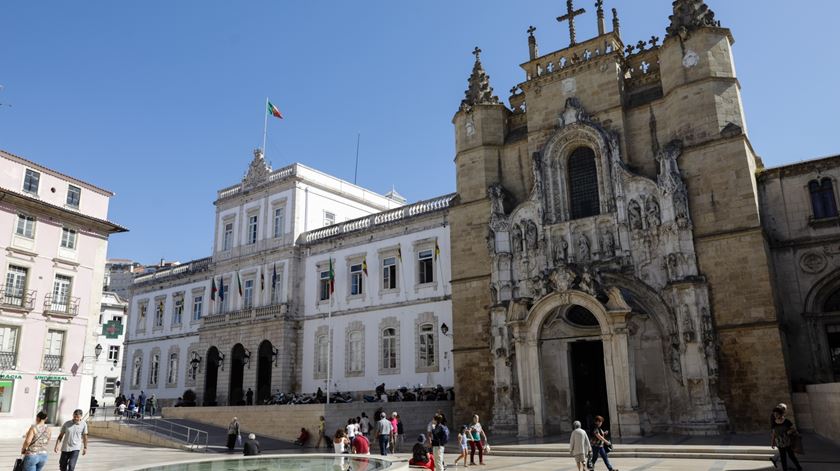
(67, 306)
(52, 362)
(191, 438)
(265, 312)
(18, 298)
(8, 360)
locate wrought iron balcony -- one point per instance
(52, 362)
(8, 360)
(65, 306)
(11, 298)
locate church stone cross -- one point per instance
(476, 52)
(570, 15)
(531, 30)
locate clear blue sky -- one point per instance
(162, 101)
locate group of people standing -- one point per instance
(135, 408)
(73, 440)
(428, 451)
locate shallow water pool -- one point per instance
(280, 463)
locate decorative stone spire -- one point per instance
(532, 43)
(616, 23)
(602, 24)
(479, 91)
(690, 15)
(258, 170)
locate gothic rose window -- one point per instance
(583, 184)
(822, 198)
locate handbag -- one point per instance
(486, 449)
(608, 447)
(18, 465)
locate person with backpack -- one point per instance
(440, 437)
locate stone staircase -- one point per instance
(693, 452)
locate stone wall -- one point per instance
(825, 402)
(114, 430)
(284, 422)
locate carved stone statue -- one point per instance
(608, 243)
(688, 329)
(517, 239)
(561, 250)
(681, 205)
(494, 294)
(587, 282)
(491, 241)
(258, 170)
(654, 217)
(497, 199)
(634, 215)
(562, 279)
(674, 356)
(531, 235)
(583, 249)
(673, 266)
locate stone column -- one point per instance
(624, 409)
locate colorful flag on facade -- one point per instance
(332, 278)
(213, 289)
(239, 283)
(262, 281)
(274, 275)
(399, 254)
(274, 111)
(364, 266)
(437, 250)
(222, 290)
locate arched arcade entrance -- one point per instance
(211, 376)
(265, 362)
(238, 359)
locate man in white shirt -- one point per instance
(383, 433)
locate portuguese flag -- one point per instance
(274, 111)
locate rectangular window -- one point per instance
(227, 238)
(114, 353)
(356, 357)
(53, 348)
(276, 288)
(329, 218)
(322, 350)
(25, 226)
(252, 229)
(427, 346)
(389, 273)
(248, 294)
(425, 266)
(172, 378)
(159, 314)
(68, 238)
(141, 317)
(356, 279)
(61, 293)
(74, 196)
(110, 386)
(118, 319)
(7, 387)
(177, 311)
(15, 286)
(324, 286)
(30, 181)
(389, 349)
(198, 302)
(224, 295)
(279, 222)
(8, 347)
(154, 369)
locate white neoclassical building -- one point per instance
(252, 315)
(108, 350)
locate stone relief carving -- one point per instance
(497, 199)
(583, 249)
(688, 330)
(562, 278)
(607, 243)
(491, 241)
(634, 215)
(258, 170)
(531, 235)
(812, 262)
(561, 250)
(654, 217)
(517, 239)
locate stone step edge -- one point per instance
(642, 448)
(619, 454)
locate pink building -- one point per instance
(53, 243)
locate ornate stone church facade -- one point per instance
(607, 240)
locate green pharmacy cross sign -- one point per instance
(112, 329)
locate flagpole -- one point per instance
(265, 125)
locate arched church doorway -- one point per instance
(573, 369)
(265, 357)
(237, 374)
(211, 376)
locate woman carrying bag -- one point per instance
(35, 445)
(477, 440)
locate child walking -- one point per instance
(462, 443)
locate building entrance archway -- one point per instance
(237, 373)
(211, 376)
(265, 358)
(588, 382)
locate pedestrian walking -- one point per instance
(383, 433)
(478, 439)
(400, 434)
(322, 425)
(579, 446)
(394, 429)
(249, 397)
(600, 444)
(141, 404)
(350, 429)
(73, 439)
(463, 445)
(233, 434)
(785, 437)
(151, 405)
(364, 425)
(440, 435)
(251, 446)
(35, 445)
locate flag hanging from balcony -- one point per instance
(274, 275)
(262, 281)
(213, 289)
(332, 278)
(364, 266)
(399, 254)
(274, 111)
(437, 250)
(239, 283)
(222, 290)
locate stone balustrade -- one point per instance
(252, 313)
